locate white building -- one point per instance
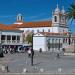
(49, 41)
(10, 37)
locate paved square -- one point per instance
(43, 62)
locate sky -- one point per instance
(32, 10)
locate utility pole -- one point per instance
(32, 52)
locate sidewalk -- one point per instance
(69, 54)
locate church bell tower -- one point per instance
(19, 18)
(59, 19)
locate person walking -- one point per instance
(29, 52)
(58, 54)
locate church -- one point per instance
(48, 35)
(56, 25)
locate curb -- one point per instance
(70, 54)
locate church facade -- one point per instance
(56, 25)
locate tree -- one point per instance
(71, 12)
(71, 16)
(29, 38)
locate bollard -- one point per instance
(35, 68)
(0, 66)
(59, 69)
(3, 68)
(41, 70)
(25, 70)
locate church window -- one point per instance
(62, 17)
(21, 17)
(32, 31)
(55, 18)
(43, 30)
(48, 30)
(38, 30)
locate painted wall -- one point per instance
(11, 33)
(39, 42)
(52, 29)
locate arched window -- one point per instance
(55, 18)
(38, 30)
(32, 31)
(48, 30)
(43, 30)
(21, 18)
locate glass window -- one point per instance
(13, 37)
(55, 18)
(43, 30)
(8, 37)
(48, 30)
(32, 31)
(3, 37)
(38, 30)
(18, 37)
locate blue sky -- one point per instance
(32, 10)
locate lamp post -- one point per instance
(59, 44)
(0, 37)
(69, 39)
(32, 52)
(74, 45)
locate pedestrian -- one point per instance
(32, 52)
(58, 54)
(29, 52)
(7, 69)
(40, 50)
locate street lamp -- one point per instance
(69, 39)
(74, 45)
(59, 44)
(32, 52)
(0, 36)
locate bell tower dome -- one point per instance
(63, 17)
(57, 10)
(56, 17)
(19, 18)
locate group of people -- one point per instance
(8, 50)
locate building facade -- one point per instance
(55, 33)
(52, 42)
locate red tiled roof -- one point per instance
(32, 24)
(5, 27)
(26, 25)
(51, 33)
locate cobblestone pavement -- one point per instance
(43, 63)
